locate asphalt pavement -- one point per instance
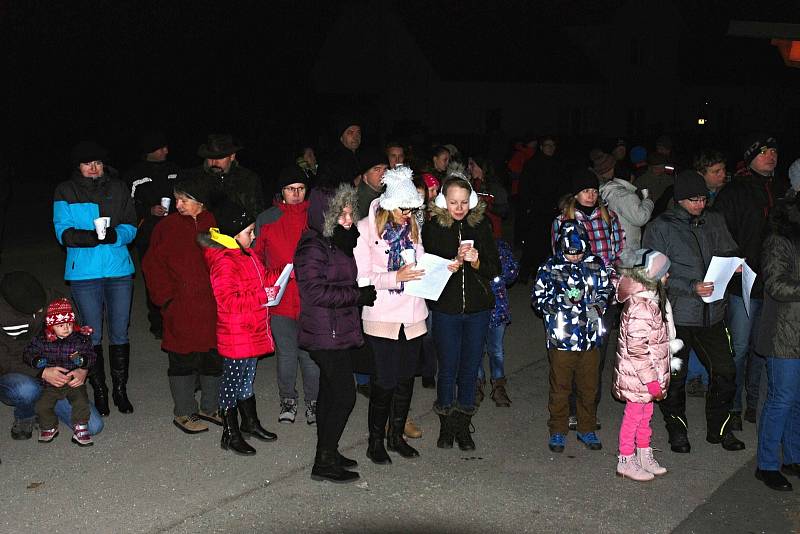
(144, 475)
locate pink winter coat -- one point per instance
(372, 258)
(643, 354)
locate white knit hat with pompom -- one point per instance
(400, 190)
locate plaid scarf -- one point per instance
(398, 239)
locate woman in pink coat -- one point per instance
(646, 340)
(386, 253)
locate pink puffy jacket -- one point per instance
(643, 354)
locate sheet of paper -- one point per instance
(431, 285)
(720, 271)
(748, 279)
(283, 281)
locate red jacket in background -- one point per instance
(177, 281)
(522, 153)
(279, 230)
(240, 283)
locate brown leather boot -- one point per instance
(499, 395)
(479, 395)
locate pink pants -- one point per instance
(635, 429)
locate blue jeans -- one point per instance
(22, 392)
(361, 379)
(494, 348)
(460, 339)
(779, 423)
(112, 295)
(696, 368)
(742, 329)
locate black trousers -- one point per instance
(153, 311)
(395, 360)
(201, 363)
(714, 352)
(337, 396)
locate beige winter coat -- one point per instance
(643, 348)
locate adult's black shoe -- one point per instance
(735, 422)
(326, 467)
(428, 382)
(678, 439)
(728, 441)
(774, 480)
(791, 469)
(345, 462)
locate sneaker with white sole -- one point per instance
(628, 467)
(81, 436)
(288, 411)
(648, 462)
(311, 413)
(47, 435)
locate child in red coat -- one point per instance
(242, 288)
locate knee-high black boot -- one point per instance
(231, 435)
(250, 423)
(97, 378)
(120, 357)
(401, 402)
(379, 401)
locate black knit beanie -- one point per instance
(584, 178)
(23, 292)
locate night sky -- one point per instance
(109, 70)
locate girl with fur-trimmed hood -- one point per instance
(642, 373)
(330, 325)
(459, 230)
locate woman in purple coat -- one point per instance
(330, 324)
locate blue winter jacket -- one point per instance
(509, 268)
(77, 203)
(572, 296)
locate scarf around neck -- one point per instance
(398, 238)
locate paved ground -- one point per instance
(143, 475)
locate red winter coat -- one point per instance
(177, 281)
(240, 283)
(279, 230)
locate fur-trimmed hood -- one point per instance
(639, 275)
(325, 206)
(443, 217)
(785, 219)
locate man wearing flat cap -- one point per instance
(690, 236)
(150, 180)
(228, 177)
(746, 203)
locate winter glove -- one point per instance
(573, 295)
(654, 389)
(272, 292)
(366, 296)
(111, 236)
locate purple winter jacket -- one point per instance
(326, 279)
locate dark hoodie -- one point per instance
(564, 292)
(326, 274)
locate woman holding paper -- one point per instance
(94, 218)
(278, 232)
(385, 253)
(178, 283)
(459, 231)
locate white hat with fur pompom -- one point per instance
(400, 190)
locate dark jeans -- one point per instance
(779, 424)
(427, 356)
(568, 368)
(395, 359)
(496, 353)
(749, 365)
(109, 296)
(77, 398)
(460, 339)
(337, 396)
(22, 392)
(712, 348)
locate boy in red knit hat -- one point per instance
(64, 346)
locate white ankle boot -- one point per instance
(628, 467)
(648, 462)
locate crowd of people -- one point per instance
(317, 272)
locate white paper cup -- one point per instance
(364, 281)
(107, 220)
(165, 202)
(470, 242)
(409, 256)
(100, 227)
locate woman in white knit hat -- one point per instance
(387, 247)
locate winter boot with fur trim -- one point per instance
(499, 395)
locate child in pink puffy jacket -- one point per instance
(646, 342)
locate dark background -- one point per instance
(109, 70)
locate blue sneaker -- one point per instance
(591, 441)
(557, 442)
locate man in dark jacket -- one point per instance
(23, 303)
(228, 177)
(150, 180)
(343, 163)
(373, 164)
(690, 237)
(746, 203)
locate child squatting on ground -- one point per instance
(646, 341)
(572, 290)
(63, 347)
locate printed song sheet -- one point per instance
(283, 281)
(431, 285)
(720, 271)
